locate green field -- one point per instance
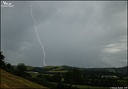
(11, 81)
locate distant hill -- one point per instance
(122, 70)
(64, 68)
(11, 81)
(49, 69)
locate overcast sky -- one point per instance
(75, 33)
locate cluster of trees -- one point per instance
(4, 65)
(78, 77)
(20, 70)
(92, 78)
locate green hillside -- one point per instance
(64, 69)
(11, 81)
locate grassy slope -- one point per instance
(11, 81)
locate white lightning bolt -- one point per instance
(38, 37)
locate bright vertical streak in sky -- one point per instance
(36, 29)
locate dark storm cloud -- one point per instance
(84, 34)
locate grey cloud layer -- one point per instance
(73, 33)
